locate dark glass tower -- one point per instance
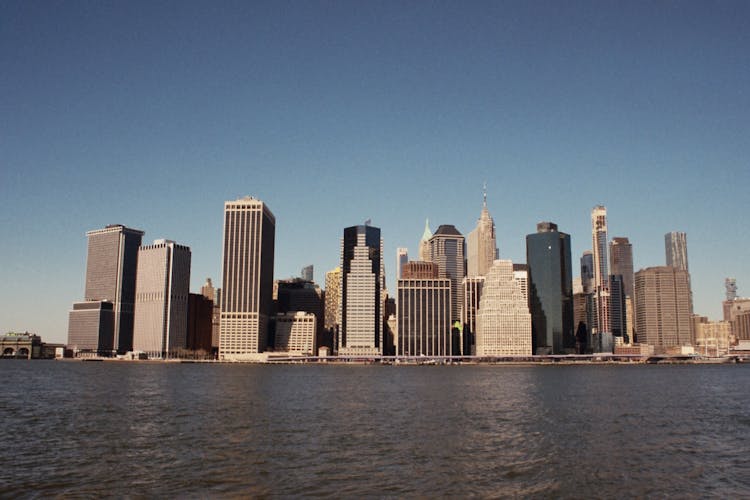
(550, 289)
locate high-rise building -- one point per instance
(419, 270)
(621, 260)
(551, 286)
(247, 288)
(521, 275)
(424, 316)
(587, 271)
(91, 328)
(618, 308)
(362, 292)
(214, 295)
(481, 245)
(472, 294)
(424, 243)
(730, 284)
(663, 310)
(161, 299)
(601, 327)
(110, 276)
(447, 251)
(402, 257)
(503, 318)
(675, 246)
(200, 324)
(295, 333)
(332, 298)
(307, 273)
(294, 295)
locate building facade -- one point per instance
(481, 244)
(447, 251)
(161, 299)
(247, 270)
(600, 329)
(663, 309)
(362, 292)
(675, 247)
(551, 289)
(295, 333)
(503, 318)
(91, 328)
(200, 325)
(424, 317)
(332, 298)
(402, 257)
(111, 267)
(424, 242)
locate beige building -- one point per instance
(503, 318)
(663, 307)
(247, 270)
(712, 338)
(481, 246)
(161, 299)
(295, 333)
(332, 298)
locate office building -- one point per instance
(111, 267)
(402, 257)
(295, 333)
(419, 270)
(199, 325)
(481, 244)
(618, 309)
(362, 292)
(294, 295)
(472, 294)
(551, 289)
(447, 251)
(161, 299)
(503, 318)
(675, 246)
(332, 298)
(214, 295)
(712, 338)
(424, 243)
(600, 328)
(91, 327)
(730, 285)
(621, 264)
(307, 273)
(587, 271)
(663, 310)
(423, 313)
(247, 270)
(521, 275)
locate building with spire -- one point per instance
(481, 245)
(424, 243)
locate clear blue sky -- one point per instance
(152, 114)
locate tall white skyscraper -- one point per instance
(362, 291)
(402, 257)
(247, 288)
(601, 277)
(481, 246)
(161, 299)
(503, 318)
(675, 246)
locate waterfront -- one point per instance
(342, 430)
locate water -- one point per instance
(214, 430)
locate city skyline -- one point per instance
(386, 112)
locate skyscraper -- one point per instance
(110, 276)
(247, 289)
(472, 294)
(161, 299)
(601, 327)
(447, 251)
(423, 313)
(618, 308)
(503, 318)
(587, 271)
(675, 246)
(214, 295)
(551, 289)
(621, 264)
(481, 245)
(362, 292)
(424, 243)
(307, 273)
(402, 257)
(332, 297)
(663, 309)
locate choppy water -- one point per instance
(114, 429)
